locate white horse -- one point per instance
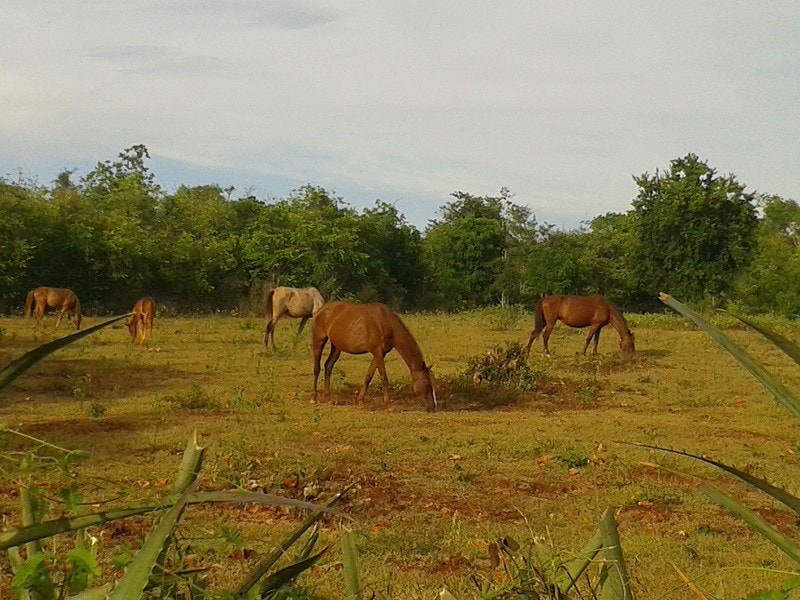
(299, 303)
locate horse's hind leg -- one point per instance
(546, 336)
(317, 346)
(329, 362)
(534, 334)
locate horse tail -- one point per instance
(30, 302)
(538, 316)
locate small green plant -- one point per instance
(505, 366)
(96, 410)
(535, 571)
(504, 318)
(195, 399)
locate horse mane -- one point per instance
(408, 348)
(617, 318)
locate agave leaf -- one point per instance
(30, 518)
(280, 578)
(190, 466)
(138, 571)
(352, 579)
(40, 531)
(787, 346)
(240, 497)
(770, 383)
(616, 585)
(96, 593)
(791, 549)
(779, 494)
(268, 561)
(17, 367)
(572, 571)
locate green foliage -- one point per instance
(505, 366)
(695, 230)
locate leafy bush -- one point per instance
(504, 366)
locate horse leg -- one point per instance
(317, 346)
(534, 334)
(594, 330)
(331, 360)
(597, 337)
(300, 330)
(546, 336)
(61, 316)
(384, 378)
(370, 372)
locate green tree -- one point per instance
(395, 272)
(464, 250)
(771, 282)
(694, 231)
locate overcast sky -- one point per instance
(561, 102)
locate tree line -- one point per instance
(115, 235)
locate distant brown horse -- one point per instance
(580, 311)
(61, 299)
(144, 311)
(373, 328)
(291, 302)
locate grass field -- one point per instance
(432, 489)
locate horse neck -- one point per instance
(618, 322)
(406, 345)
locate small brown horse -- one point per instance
(373, 328)
(580, 311)
(291, 302)
(144, 311)
(61, 299)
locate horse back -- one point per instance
(576, 311)
(355, 328)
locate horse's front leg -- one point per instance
(594, 333)
(60, 318)
(597, 338)
(370, 372)
(384, 378)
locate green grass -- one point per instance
(433, 489)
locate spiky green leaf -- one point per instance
(783, 344)
(17, 367)
(779, 494)
(770, 383)
(786, 545)
(138, 572)
(616, 585)
(352, 578)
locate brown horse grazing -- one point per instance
(580, 311)
(144, 311)
(291, 302)
(373, 328)
(62, 299)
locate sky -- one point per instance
(562, 102)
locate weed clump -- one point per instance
(504, 366)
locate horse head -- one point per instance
(423, 385)
(626, 343)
